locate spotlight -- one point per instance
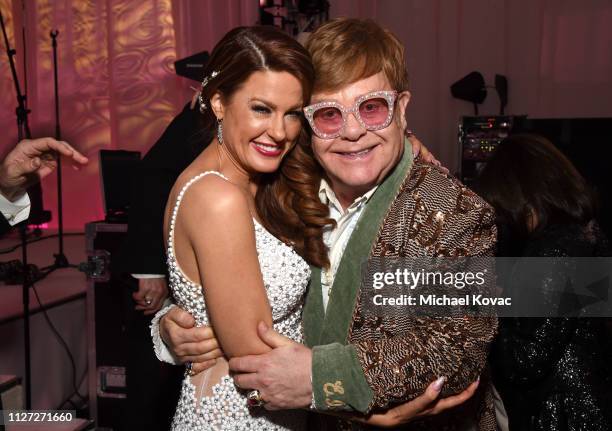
(470, 88)
(192, 67)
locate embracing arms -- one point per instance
(215, 246)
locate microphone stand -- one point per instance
(23, 130)
(61, 261)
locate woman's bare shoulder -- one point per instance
(211, 198)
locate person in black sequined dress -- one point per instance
(552, 373)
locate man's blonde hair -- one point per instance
(346, 50)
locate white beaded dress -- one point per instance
(210, 400)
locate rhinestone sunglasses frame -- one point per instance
(389, 96)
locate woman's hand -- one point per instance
(427, 404)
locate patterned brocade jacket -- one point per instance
(364, 364)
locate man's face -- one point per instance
(359, 159)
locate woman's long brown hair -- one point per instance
(287, 200)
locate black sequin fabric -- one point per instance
(555, 374)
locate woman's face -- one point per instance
(261, 120)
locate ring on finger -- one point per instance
(254, 399)
(189, 368)
(49, 156)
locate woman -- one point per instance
(243, 221)
(552, 373)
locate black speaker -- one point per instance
(106, 325)
(116, 170)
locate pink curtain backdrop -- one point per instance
(556, 54)
(117, 84)
(118, 89)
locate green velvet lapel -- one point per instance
(333, 326)
(313, 314)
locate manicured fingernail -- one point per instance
(478, 379)
(439, 383)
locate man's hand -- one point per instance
(281, 375)
(32, 160)
(151, 294)
(188, 343)
(427, 404)
(195, 99)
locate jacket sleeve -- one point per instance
(4, 225)
(156, 174)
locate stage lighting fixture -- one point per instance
(192, 67)
(470, 88)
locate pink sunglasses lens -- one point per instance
(374, 112)
(328, 120)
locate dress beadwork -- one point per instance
(285, 275)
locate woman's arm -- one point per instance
(215, 220)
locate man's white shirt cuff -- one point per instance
(16, 211)
(139, 276)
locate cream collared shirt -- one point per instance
(337, 238)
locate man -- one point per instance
(385, 204)
(153, 387)
(29, 162)
(145, 256)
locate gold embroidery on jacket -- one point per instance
(331, 389)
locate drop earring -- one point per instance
(220, 131)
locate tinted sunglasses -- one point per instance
(374, 111)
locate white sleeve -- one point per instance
(147, 276)
(16, 211)
(161, 350)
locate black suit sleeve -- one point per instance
(4, 225)
(181, 142)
